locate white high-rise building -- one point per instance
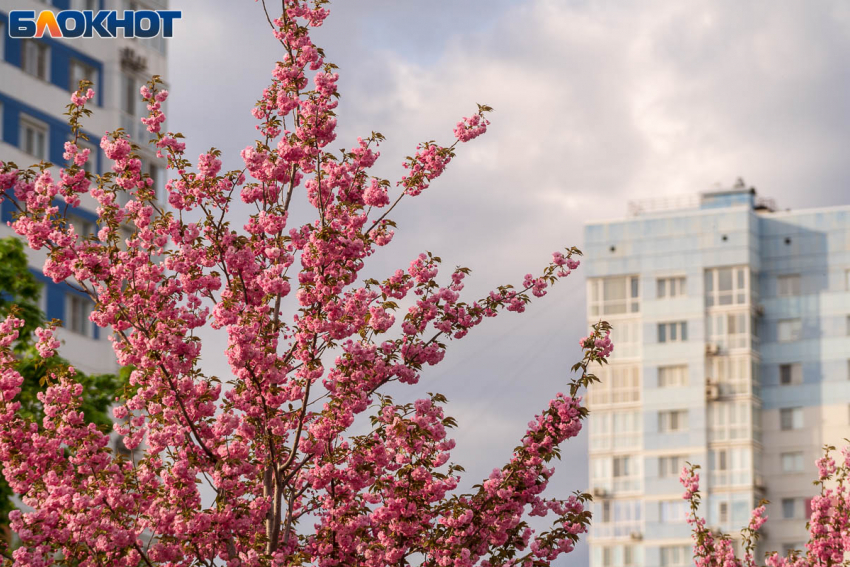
(37, 77)
(732, 350)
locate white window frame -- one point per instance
(673, 421)
(25, 122)
(78, 321)
(620, 384)
(673, 376)
(791, 462)
(793, 330)
(599, 306)
(733, 420)
(737, 294)
(676, 555)
(788, 285)
(793, 371)
(670, 466)
(82, 227)
(616, 430)
(730, 373)
(617, 518)
(671, 287)
(602, 473)
(42, 48)
(90, 73)
(791, 419)
(673, 332)
(673, 511)
(617, 555)
(798, 508)
(731, 466)
(729, 330)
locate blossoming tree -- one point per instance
(291, 483)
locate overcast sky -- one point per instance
(596, 103)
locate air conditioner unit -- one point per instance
(760, 310)
(712, 391)
(759, 482)
(712, 349)
(636, 536)
(599, 492)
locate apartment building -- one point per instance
(37, 77)
(732, 350)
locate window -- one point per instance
(672, 376)
(731, 466)
(673, 332)
(158, 41)
(614, 296)
(728, 330)
(792, 462)
(86, 5)
(82, 226)
(615, 430)
(623, 466)
(33, 137)
(77, 314)
(792, 508)
(130, 106)
(671, 421)
(790, 418)
(847, 280)
(157, 177)
(790, 374)
(79, 71)
(670, 466)
(627, 335)
(676, 556)
(616, 518)
(723, 512)
(726, 286)
(35, 58)
(787, 286)
(671, 287)
(620, 384)
(129, 93)
(91, 165)
(730, 373)
(789, 330)
(615, 474)
(672, 511)
(848, 317)
(619, 555)
(728, 421)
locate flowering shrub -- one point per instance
(829, 530)
(291, 484)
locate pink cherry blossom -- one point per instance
(312, 344)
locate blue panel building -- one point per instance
(732, 350)
(37, 77)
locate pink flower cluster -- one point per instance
(828, 525)
(604, 344)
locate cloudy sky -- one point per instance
(597, 103)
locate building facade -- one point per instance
(37, 77)
(731, 326)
